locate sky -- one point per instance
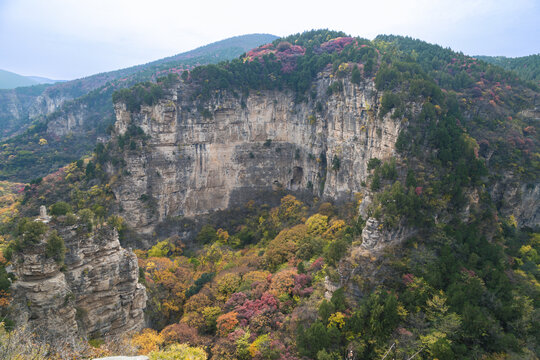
(68, 39)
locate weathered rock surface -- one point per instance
(194, 165)
(375, 237)
(96, 294)
(519, 200)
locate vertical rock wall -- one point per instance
(193, 164)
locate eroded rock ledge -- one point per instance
(96, 293)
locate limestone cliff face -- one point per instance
(71, 121)
(193, 164)
(18, 108)
(96, 294)
(519, 200)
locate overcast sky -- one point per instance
(67, 39)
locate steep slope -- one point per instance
(71, 116)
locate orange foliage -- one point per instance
(226, 323)
(159, 263)
(283, 282)
(5, 299)
(179, 333)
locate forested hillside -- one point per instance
(435, 254)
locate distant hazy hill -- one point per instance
(527, 67)
(44, 80)
(11, 80)
(73, 114)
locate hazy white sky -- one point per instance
(66, 39)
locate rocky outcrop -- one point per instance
(95, 293)
(376, 237)
(194, 164)
(522, 201)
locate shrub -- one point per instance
(317, 224)
(60, 208)
(207, 235)
(373, 163)
(356, 77)
(31, 231)
(335, 250)
(87, 218)
(21, 344)
(56, 248)
(388, 102)
(199, 283)
(336, 163)
(227, 284)
(388, 170)
(161, 249)
(210, 315)
(283, 282)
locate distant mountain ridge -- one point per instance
(527, 67)
(11, 80)
(72, 115)
(20, 106)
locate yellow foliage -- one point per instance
(147, 341)
(335, 227)
(193, 319)
(255, 276)
(512, 221)
(289, 211)
(259, 345)
(337, 319)
(223, 236)
(196, 303)
(317, 224)
(227, 284)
